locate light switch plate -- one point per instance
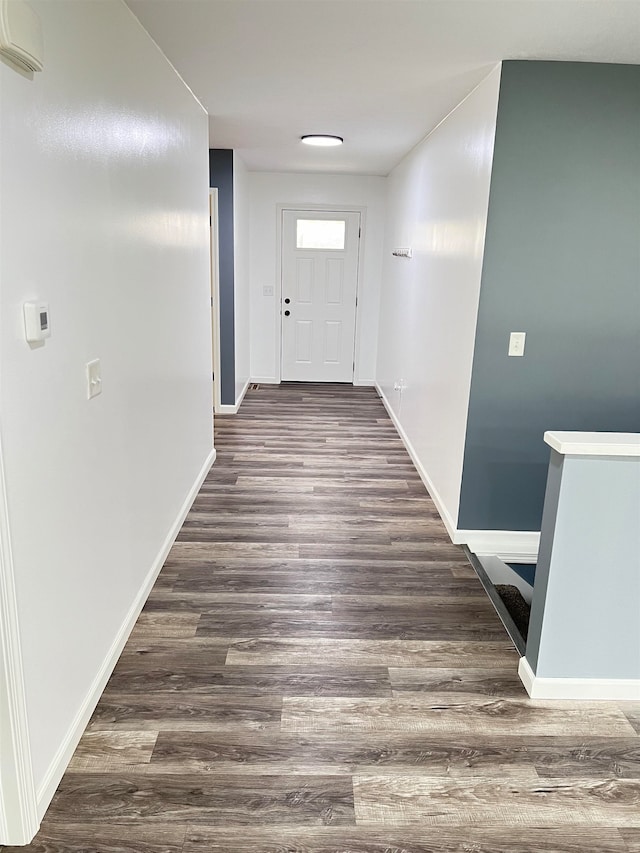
(267, 290)
(516, 343)
(94, 378)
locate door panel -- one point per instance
(335, 281)
(332, 341)
(304, 341)
(304, 280)
(319, 280)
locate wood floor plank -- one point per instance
(369, 652)
(164, 625)
(145, 709)
(205, 798)
(108, 837)
(430, 570)
(454, 714)
(400, 799)
(282, 535)
(446, 755)
(405, 839)
(214, 579)
(202, 550)
(240, 602)
(422, 606)
(278, 681)
(111, 750)
(358, 627)
(501, 681)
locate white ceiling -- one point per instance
(380, 73)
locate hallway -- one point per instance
(318, 669)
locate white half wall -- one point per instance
(241, 275)
(437, 204)
(104, 187)
(267, 191)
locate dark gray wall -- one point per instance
(221, 176)
(561, 263)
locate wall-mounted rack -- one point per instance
(402, 253)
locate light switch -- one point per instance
(94, 378)
(516, 343)
(267, 290)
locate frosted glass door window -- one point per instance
(320, 234)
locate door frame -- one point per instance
(19, 820)
(318, 208)
(214, 261)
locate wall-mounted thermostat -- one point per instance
(36, 321)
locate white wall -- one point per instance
(437, 204)
(241, 272)
(104, 214)
(267, 190)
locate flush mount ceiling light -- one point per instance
(323, 139)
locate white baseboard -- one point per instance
(66, 749)
(272, 380)
(242, 394)
(440, 506)
(265, 380)
(512, 546)
(585, 689)
(227, 408)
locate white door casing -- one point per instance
(319, 278)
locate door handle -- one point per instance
(287, 301)
(286, 313)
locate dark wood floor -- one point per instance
(318, 670)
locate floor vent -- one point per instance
(254, 387)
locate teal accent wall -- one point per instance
(561, 263)
(221, 176)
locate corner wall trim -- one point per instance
(228, 408)
(512, 546)
(612, 689)
(66, 749)
(18, 814)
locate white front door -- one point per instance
(319, 283)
